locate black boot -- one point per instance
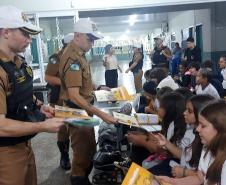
(78, 180)
(64, 158)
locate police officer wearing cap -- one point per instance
(136, 66)
(21, 116)
(77, 86)
(53, 79)
(161, 54)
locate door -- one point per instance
(199, 38)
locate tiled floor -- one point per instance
(44, 145)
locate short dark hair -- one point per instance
(177, 44)
(150, 87)
(208, 64)
(223, 56)
(164, 90)
(185, 92)
(184, 63)
(195, 65)
(206, 73)
(190, 39)
(147, 74)
(158, 73)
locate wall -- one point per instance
(178, 21)
(218, 29)
(182, 20)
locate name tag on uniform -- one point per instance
(74, 67)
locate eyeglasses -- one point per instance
(90, 38)
(25, 34)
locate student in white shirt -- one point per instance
(222, 65)
(172, 106)
(168, 81)
(203, 83)
(111, 65)
(212, 164)
(190, 155)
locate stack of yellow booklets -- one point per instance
(115, 94)
(66, 112)
(75, 117)
(148, 122)
(140, 176)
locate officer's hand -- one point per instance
(108, 118)
(47, 110)
(52, 124)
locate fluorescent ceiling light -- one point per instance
(131, 23)
(127, 31)
(132, 19)
(124, 37)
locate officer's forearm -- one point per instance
(14, 128)
(81, 102)
(76, 98)
(52, 80)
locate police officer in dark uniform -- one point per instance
(53, 79)
(161, 54)
(136, 66)
(77, 86)
(21, 115)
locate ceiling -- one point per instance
(130, 24)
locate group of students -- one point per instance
(191, 146)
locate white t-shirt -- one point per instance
(168, 82)
(210, 90)
(204, 164)
(170, 131)
(223, 72)
(186, 155)
(186, 140)
(111, 62)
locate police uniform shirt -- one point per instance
(4, 82)
(75, 72)
(53, 65)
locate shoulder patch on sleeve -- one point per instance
(53, 59)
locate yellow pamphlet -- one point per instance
(65, 112)
(115, 94)
(140, 176)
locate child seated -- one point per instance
(148, 101)
(212, 165)
(194, 68)
(172, 106)
(222, 65)
(190, 155)
(204, 86)
(184, 77)
(216, 79)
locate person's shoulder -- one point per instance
(69, 56)
(54, 59)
